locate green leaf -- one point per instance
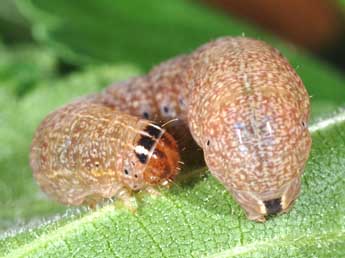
(147, 32)
(23, 66)
(13, 26)
(202, 220)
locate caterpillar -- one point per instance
(240, 100)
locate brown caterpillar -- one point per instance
(85, 152)
(243, 103)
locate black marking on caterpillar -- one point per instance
(273, 206)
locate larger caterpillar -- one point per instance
(243, 103)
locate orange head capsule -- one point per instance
(163, 164)
(157, 150)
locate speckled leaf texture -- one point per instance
(197, 217)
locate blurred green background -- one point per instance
(52, 51)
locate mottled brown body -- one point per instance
(85, 152)
(255, 138)
(242, 102)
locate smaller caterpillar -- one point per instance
(85, 152)
(240, 100)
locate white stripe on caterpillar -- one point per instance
(244, 105)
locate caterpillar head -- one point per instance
(154, 159)
(162, 166)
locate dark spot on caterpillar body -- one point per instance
(146, 142)
(153, 131)
(182, 102)
(141, 157)
(146, 115)
(166, 109)
(273, 206)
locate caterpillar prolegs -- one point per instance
(242, 102)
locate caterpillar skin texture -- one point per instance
(85, 152)
(248, 110)
(243, 104)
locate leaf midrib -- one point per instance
(303, 240)
(51, 236)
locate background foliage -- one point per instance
(81, 47)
